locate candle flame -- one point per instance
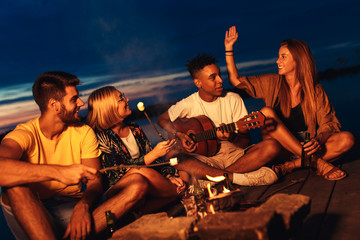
(141, 106)
(216, 179)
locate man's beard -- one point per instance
(68, 117)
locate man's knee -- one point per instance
(21, 194)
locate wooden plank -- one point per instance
(343, 216)
(319, 190)
(290, 184)
(253, 193)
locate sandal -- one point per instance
(326, 170)
(283, 169)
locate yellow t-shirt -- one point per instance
(74, 144)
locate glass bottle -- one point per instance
(228, 184)
(305, 158)
(199, 196)
(110, 222)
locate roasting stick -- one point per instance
(141, 107)
(172, 162)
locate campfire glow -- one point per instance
(215, 179)
(211, 208)
(225, 190)
(209, 190)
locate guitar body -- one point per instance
(202, 131)
(195, 125)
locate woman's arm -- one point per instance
(230, 39)
(160, 150)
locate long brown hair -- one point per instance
(306, 74)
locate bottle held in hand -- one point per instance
(305, 158)
(110, 222)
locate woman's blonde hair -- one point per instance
(103, 108)
(306, 73)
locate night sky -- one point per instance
(105, 42)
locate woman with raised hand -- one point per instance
(124, 143)
(295, 103)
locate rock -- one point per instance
(156, 226)
(241, 225)
(293, 208)
(277, 218)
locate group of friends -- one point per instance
(49, 166)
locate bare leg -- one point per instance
(337, 144)
(197, 168)
(256, 157)
(30, 213)
(129, 190)
(159, 186)
(280, 132)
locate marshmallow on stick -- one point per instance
(141, 108)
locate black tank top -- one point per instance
(295, 122)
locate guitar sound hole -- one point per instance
(192, 136)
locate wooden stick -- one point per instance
(132, 166)
(154, 127)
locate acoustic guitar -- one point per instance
(202, 131)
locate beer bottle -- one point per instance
(305, 158)
(228, 184)
(199, 196)
(110, 222)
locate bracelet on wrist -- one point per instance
(229, 51)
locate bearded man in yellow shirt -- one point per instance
(45, 164)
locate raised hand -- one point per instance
(231, 37)
(74, 174)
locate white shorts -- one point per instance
(226, 156)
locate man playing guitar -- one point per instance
(243, 164)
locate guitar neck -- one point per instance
(211, 133)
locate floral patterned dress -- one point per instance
(114, 153)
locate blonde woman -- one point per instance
(126, 143)
(295, 103)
